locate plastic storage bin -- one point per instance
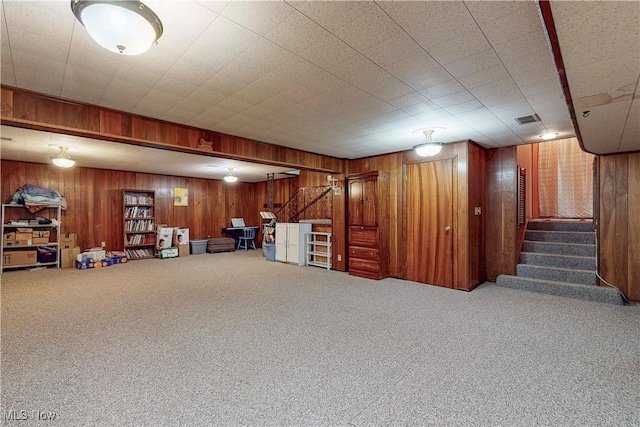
(270, 251)
(198, 246)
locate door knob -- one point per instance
(447, 228)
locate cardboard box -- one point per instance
(91, 256)
(19, 257)
(39, 240)
(183, 250)
(68, 240)
(24, 230)
(180, 236)
(164, 237)
(9, 239)
(23, 239)
(68, 257)
(41, 233)
(169, 252)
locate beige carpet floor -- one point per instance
(231, 339)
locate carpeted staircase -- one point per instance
(559, 258)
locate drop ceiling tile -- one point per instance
(140, 77)
(338, 14)
(499, 98)
(297, 33)
(484, 60)
(156, 104)
(431, 118)
(494, 87)
(527, 45)
(408, 100)
(421, 108)
(123, 95)
(27, 66)
(210, 118)
(177, 115)
(488, 11)
(234, 105)
(50, 48)
(432, 77)
(49, 20)
(393, 90)
(222, 84)
(629, 140)
(176, 87)
(177, 37)
(215, 5)
(598, 78)
(394, 50)
(362, 73)
(370, 29)
(257, 16)
(463, 107)
(455, 98)
(443, 89)
(329, 52)
(522, 21)
(483, 77)
(414, 67)
(187, 72)
(459, 47)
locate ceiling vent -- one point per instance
(528, 119)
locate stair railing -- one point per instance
(307, 203)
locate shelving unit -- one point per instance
(319, 249)
(139, 223)
(28, 251)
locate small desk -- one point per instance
(236, 232)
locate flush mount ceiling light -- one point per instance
(428, 148)
(63, 159)
(230, 177)
(549, 135)
(126, 27)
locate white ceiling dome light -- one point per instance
(126, 27)
(63, 160)
(428, 148)
(230, 177)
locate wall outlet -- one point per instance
(339, 257)
(477, 210)
(104, 244)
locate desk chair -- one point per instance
(248, 238)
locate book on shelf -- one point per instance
(138, 199)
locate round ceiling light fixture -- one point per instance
(549, 135)
(230, 177)
(126, 27)
(428, 148)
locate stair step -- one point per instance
(560, 225)
(578, 249)
(572, 290)
(568, 275)
(581, 237)
(562, 261)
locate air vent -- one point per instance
(528, 119)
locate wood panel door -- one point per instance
(355, 205)
(430, 225)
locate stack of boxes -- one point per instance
(172, 242)
(69, 250)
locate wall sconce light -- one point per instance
(333, 183)
(63, 159)
(428, 148)
(126, 27)
(230, 177)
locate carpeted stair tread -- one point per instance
(556, 274)
(550, 225)
(583, 237)
(579, 249)
(571, 290)
(560, 261)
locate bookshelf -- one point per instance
(139, 223)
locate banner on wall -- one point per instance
(180, 197)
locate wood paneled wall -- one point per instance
(94, 198)
(22, 108)
(477, 173)
(500, 213)
(619, 222)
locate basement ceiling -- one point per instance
(351, 79)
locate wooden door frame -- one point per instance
(455, 209)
